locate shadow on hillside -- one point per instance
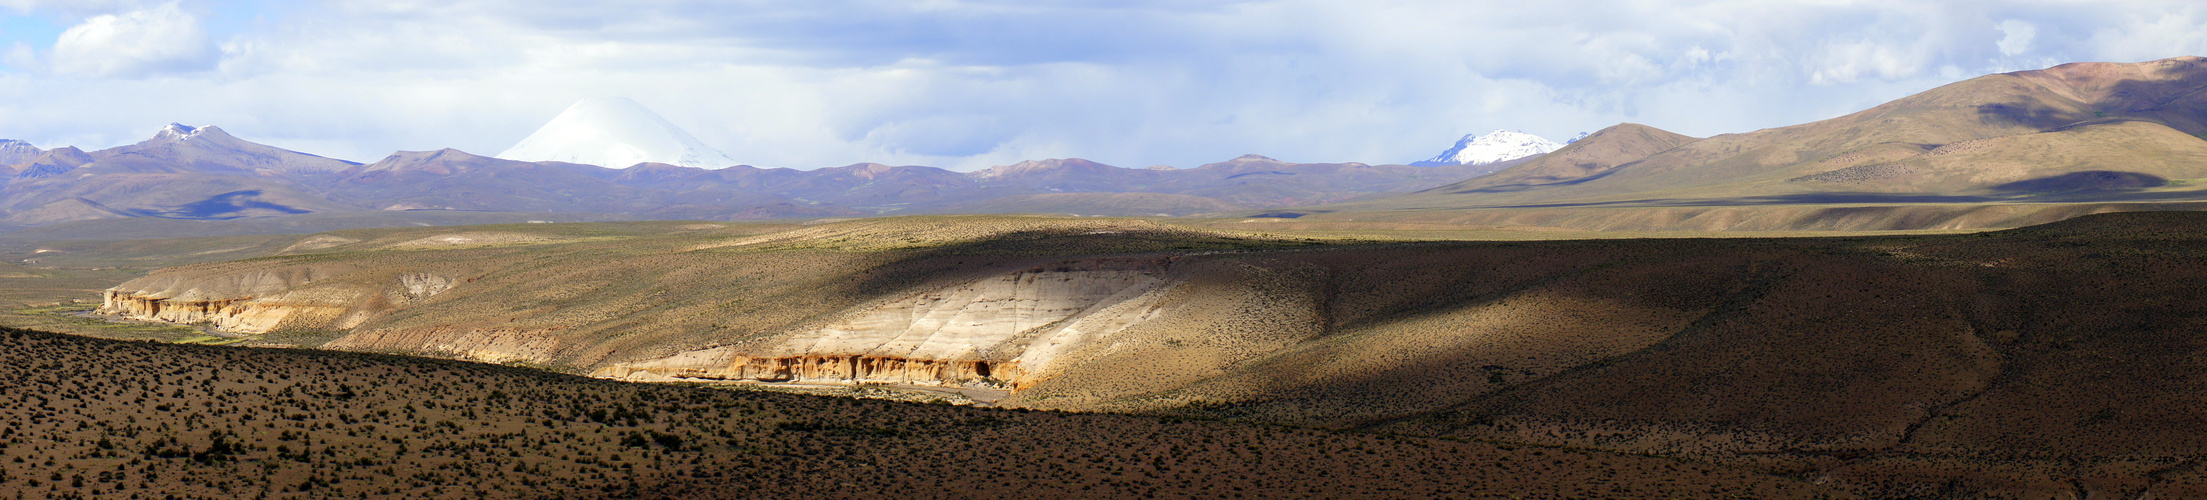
(2156, 101)
(2028, 115)
(1039, 249)
(2093, 181)
(2073, 187)
(1677, 274)
(225, 206)
(1512, 188)
(2164, 101)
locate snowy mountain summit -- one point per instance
(1496, 146)
(615, 132)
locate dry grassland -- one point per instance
(2063, 359)
(88, 418)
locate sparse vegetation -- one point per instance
(2011, 363)
(104, 419)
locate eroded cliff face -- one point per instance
(263, 301)
(1002, 331)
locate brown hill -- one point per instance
(13, 151)
(2086, 132)
(1595, 155)
(180, 148)
(1070, 175)
(182, 172)
(51, 163)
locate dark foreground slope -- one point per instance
(87, 418)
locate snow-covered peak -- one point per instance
(1496, 146)
(1575, 138)
(1001, 171)
(14, 151)
(615, 132)
(178, 132)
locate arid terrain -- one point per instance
(88, 418)
(1985, 290)
(2047, 360)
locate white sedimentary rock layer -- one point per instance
(999, 331)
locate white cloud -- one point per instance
(162, 38)
(2015, 36)
(72, 7)
(20, 56)
(2140, 37)
(974, 83)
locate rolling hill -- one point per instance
(2071, 134)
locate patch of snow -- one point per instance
(1496, 146)
(14, 151)
(178, 132)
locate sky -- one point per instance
(970, 84)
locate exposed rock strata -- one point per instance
(998, 331)
(257, 302)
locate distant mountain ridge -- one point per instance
(204, 173)
(2015, 142)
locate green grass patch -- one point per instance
(57, 309)
(68, 318)
(304, 338)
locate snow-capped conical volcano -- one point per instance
(1496, 146)
(615, 132)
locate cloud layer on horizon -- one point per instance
(969, 84)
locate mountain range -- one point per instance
(2001, 150)
(204, 173)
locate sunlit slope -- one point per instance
(519, 294)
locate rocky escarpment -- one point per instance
(263, 301)
(1002, 331)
